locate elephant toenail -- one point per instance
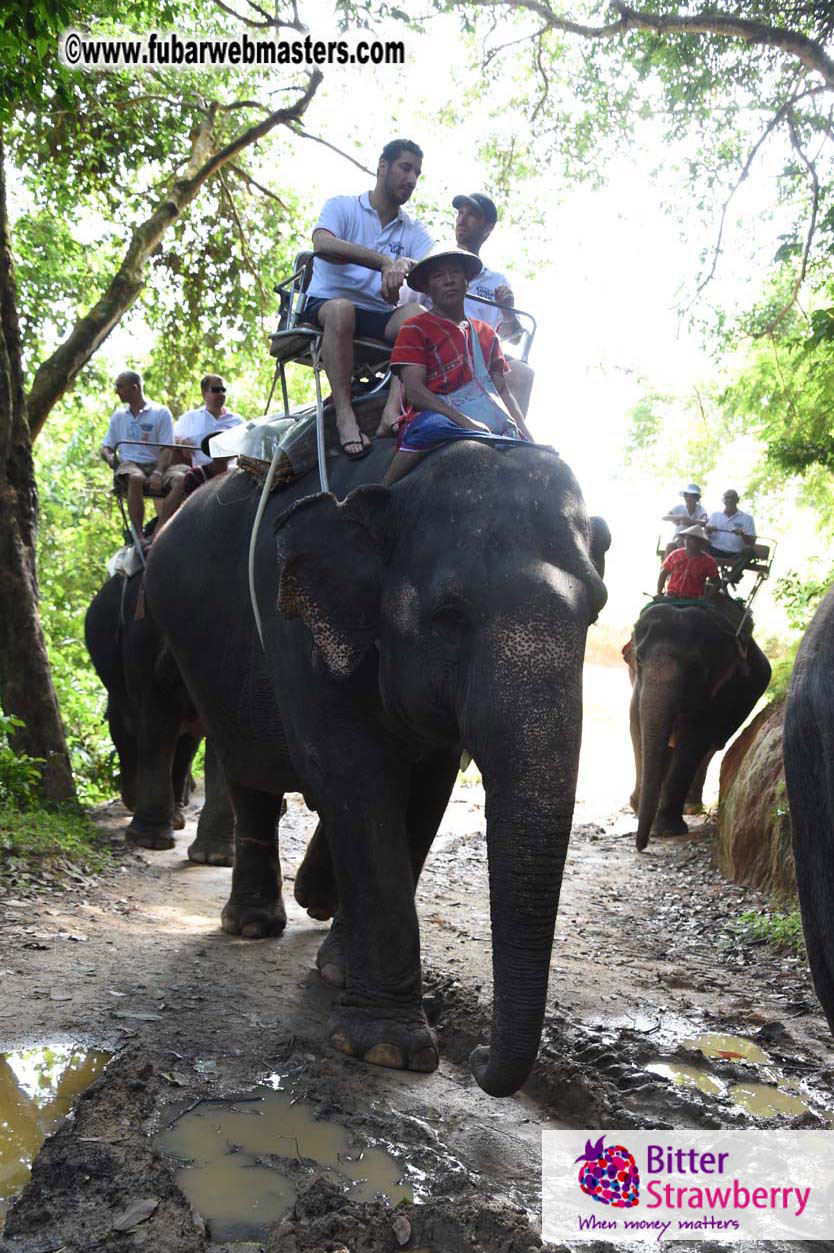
(252, 931)
(321, 913)
(341, 1043)
(425, 1060)
(334, 975)
(386, 1055)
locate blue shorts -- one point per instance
(428, 429)
(370, 323)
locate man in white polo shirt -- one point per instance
(141, 463)
(732, 535)
(190, 429)
(376, 242)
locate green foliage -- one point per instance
(79, 531)
(19, 773)
(31, 839)
(781, 929)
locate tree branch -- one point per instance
(302, 134)
(242, 236)
(809, 237)
(247, 178)
(724, 25)
(59, 371)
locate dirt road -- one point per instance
(648, 978)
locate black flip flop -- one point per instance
(364, 449)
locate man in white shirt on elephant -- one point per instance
(190, 429)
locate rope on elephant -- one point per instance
(284, 473)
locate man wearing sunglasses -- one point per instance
(190, 429)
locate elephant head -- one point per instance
(696, 682)
(469, 587)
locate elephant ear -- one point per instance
(600, 543)
(332, 558)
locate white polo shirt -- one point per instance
(152, 425)
(725, 538)
(193, 426)
(354, 219)
(684, 518)
(484, 284)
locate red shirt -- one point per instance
(441, 347)
(688, 574)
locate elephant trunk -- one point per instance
(526, 862)
(524, 731)
(661, 695)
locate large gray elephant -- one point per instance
(809, 776)
(400, 626)
(154, 727)
(695, 681)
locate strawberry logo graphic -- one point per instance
(609, 1175)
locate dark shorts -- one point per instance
(370, 324)
(428, 429)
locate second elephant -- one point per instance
(695, 683)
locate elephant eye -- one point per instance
(450, 622)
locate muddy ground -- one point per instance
(646, 958)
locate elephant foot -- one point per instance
(399, 1043)
(669, 824)
(315, 890)
(178, 820)
(207, 852)
(149, 837)
(330, 959)
(634, 801)
(254, 918)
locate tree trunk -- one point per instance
(25, 682)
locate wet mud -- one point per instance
(658, 1016)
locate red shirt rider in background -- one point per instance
(688, 568)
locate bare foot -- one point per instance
(388, 424)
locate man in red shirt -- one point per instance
(688, 568)
(435, 359)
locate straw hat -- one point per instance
(472, 265)
(697, 532)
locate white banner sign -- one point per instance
(687, 1185)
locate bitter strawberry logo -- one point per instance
(609, 1175)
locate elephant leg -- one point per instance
(694, 797)
(315, 883)
(432, 780)
(686, 758)
(124, 742)
(215, 841)
(158, 734)
(637, 746)
(181, 780)
(379, 1016)
(256, 906)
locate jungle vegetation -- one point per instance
(188, 237)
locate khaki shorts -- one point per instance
(130, 469)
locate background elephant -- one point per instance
(694, 686)
(449, 610)
(809, 775)
(154, 727)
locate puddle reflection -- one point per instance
(248, 1158)
(38, 1087)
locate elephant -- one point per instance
(808, 748)
(401, 626)
(154, 727)
(696, 681)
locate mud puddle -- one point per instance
(245, 1160)
(38, 1087)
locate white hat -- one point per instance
(697, 532)
(691, 489)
